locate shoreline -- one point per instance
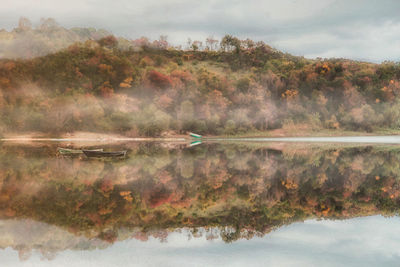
(361, 139)
(266, 136)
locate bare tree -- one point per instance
(211, 43)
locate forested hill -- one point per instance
(143, 88)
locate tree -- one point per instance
(24, 24)
(141, 42)
(189, 43)
(186, 115)
(230, 43)
(211, 43)
(243, 84)
(48, 24)
(196, 45)
(162, 42)
(248, 44)
(108, 41)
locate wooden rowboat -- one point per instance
(67, 151)
(101, 154)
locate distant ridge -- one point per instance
(26, 41)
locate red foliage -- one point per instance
(106, 185)
(159, 80)
(159, 197)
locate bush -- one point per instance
(121, 121)
(243, 85)
(230, 128)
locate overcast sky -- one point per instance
(357, 29)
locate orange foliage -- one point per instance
(105, 211)
(392, 90)
(126, 83)
(322, 69)
(290, 184)
(290, 94)
(126, 195)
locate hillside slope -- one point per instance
(151, 89)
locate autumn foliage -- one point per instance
(140, 87)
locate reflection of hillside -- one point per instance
(249, 189)
(28, 235)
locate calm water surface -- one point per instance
(229, 204)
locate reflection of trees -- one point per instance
(243, 190)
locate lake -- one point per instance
(214, 204)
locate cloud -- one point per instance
(358, 29)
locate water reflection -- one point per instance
(225, 192)
(364, 241)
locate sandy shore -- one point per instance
(82, 138)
